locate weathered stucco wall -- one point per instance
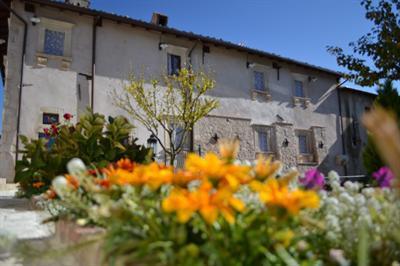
(123, 50)
(11, 95)
(353, 105)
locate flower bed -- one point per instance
(216, 212)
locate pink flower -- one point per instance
(313, 179)
(68, 116)
(383, 176)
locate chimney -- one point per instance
(159, 19)
(81, 3)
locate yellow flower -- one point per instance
(213, 168)
(273, 193)
(229, 149)
(266, 168)
(284, 236)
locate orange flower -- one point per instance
(38, 184)
(50, 194)
(153, 175)
(213, 168)
(103, 182)
(73, 181)
(205, 200)
(275, 194)
(125, 164)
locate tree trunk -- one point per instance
(172, 159)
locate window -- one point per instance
(50, 118)
(259, 82)
(298, 89)
(174, 64)
(304, 147)
(263, 139)
(54, 42)
(263, 142)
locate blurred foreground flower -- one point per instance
(274, 193)
(383, 176)
(386, 134)
(313, 179)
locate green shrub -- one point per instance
(389, 98)
(93, 139)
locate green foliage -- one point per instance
(94, 140)
(173, 104)
(389, 98)
(380, 46)
(371, 159)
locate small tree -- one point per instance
(173, 104)
(389, 98)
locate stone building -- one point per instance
(61, 57)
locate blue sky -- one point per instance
(297, 29)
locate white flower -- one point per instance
(60, 185)
(360, 200)
(337, 255)
(76, 167)
(333, 176)
(346, 198)
(368, 192)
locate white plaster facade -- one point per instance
(64, 84)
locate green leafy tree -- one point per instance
(388, 97)
(173, 104)
(93, 139)
(376, 55)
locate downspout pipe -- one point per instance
(341, 122)
(21, 84)
(96, 21)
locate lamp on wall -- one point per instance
(214, 139)
(162, 46)
(250, 64)
(152, 143)
(321, 145)
(285, 143)
(35, 20)
(312, 79)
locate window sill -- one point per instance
(266, 154)
(42, 60)
(308, 163)
(301, 101)
(306, 159)
(265, 94)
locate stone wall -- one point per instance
(225, 128)
(287, 153)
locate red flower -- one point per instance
(46, 132)
(68, 116)
(54, 129)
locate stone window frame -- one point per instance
(266, 93)
(42, 58)
(271, 140)
(175, 50)
(310, 157)
(305, 100)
